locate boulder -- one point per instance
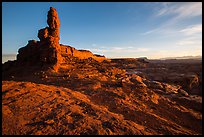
(154, 84)
(137, 80)
(43, 33)
(171, 89)
(183, 92)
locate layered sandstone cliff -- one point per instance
(81, 54)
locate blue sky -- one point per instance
(114, 29)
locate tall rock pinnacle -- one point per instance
(53, 30)
(48, 52)
(49, 37)
(53, 22)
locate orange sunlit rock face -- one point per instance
(54, 23)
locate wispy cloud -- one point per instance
(129, 49)
(194, 29)
(121, 52)
(177, 53)
(176, 12)
(190, 41)
(150, 31)
(163, 10)
(181, 10)
(186, 42)
(193, 36)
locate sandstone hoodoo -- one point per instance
(48, 52)
(49, 38)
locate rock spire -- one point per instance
(50, 36)
(48, 52)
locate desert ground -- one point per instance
(117, 97)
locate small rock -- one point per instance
(183, 92)
(50, 121)
(58, 92)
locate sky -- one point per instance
(114, 29)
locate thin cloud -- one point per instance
(189, 10)
(119, 50)
(142, 49)
(149, 32)
(176, 53)
(190, 41)
(186, 42)
(164, 10)
(176, 12)
(98, 50)
(181, 10)
(194, 29)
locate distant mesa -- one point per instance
(48, 52)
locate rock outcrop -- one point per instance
(48, 52)
(54, 23)
(50, 49)
(68, 51)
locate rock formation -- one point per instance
(68, 51)
(48, 52)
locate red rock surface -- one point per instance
(68, 51)
(92, 98)
(54, 23)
